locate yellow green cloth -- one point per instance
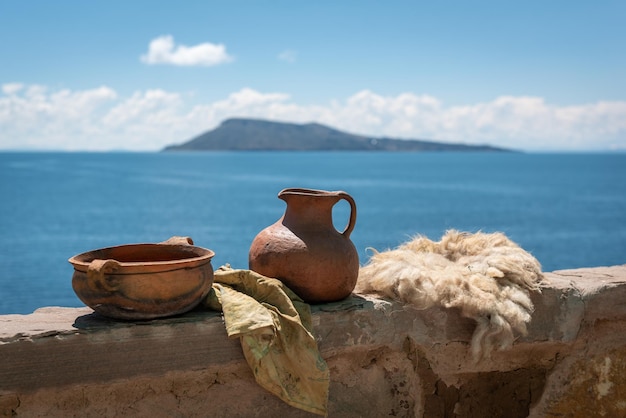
(274, 327)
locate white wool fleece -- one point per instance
(487, 276)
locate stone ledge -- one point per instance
(371, 345)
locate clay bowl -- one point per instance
(143, 281)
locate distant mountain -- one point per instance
(261, 135)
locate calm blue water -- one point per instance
(568, 210)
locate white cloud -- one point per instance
(162, 50)
(98, 119)
(12, 88)
(288, 55)
(62, 119)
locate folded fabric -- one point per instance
(274, 328)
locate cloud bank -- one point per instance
(33, 117)
(162, 50)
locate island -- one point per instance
(239, 134)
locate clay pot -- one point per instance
(143, 281)
(305, 251)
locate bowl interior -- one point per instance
(145, 254)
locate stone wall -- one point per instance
(385, 360)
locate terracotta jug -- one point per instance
(305, 251)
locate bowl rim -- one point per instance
(204, 256)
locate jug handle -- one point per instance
(97, 270)
(348, 230)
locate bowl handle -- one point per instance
(97, 270)
(178, 241)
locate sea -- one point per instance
(568, 210)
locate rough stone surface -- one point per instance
(385, 360)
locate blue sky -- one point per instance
(139, 75)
